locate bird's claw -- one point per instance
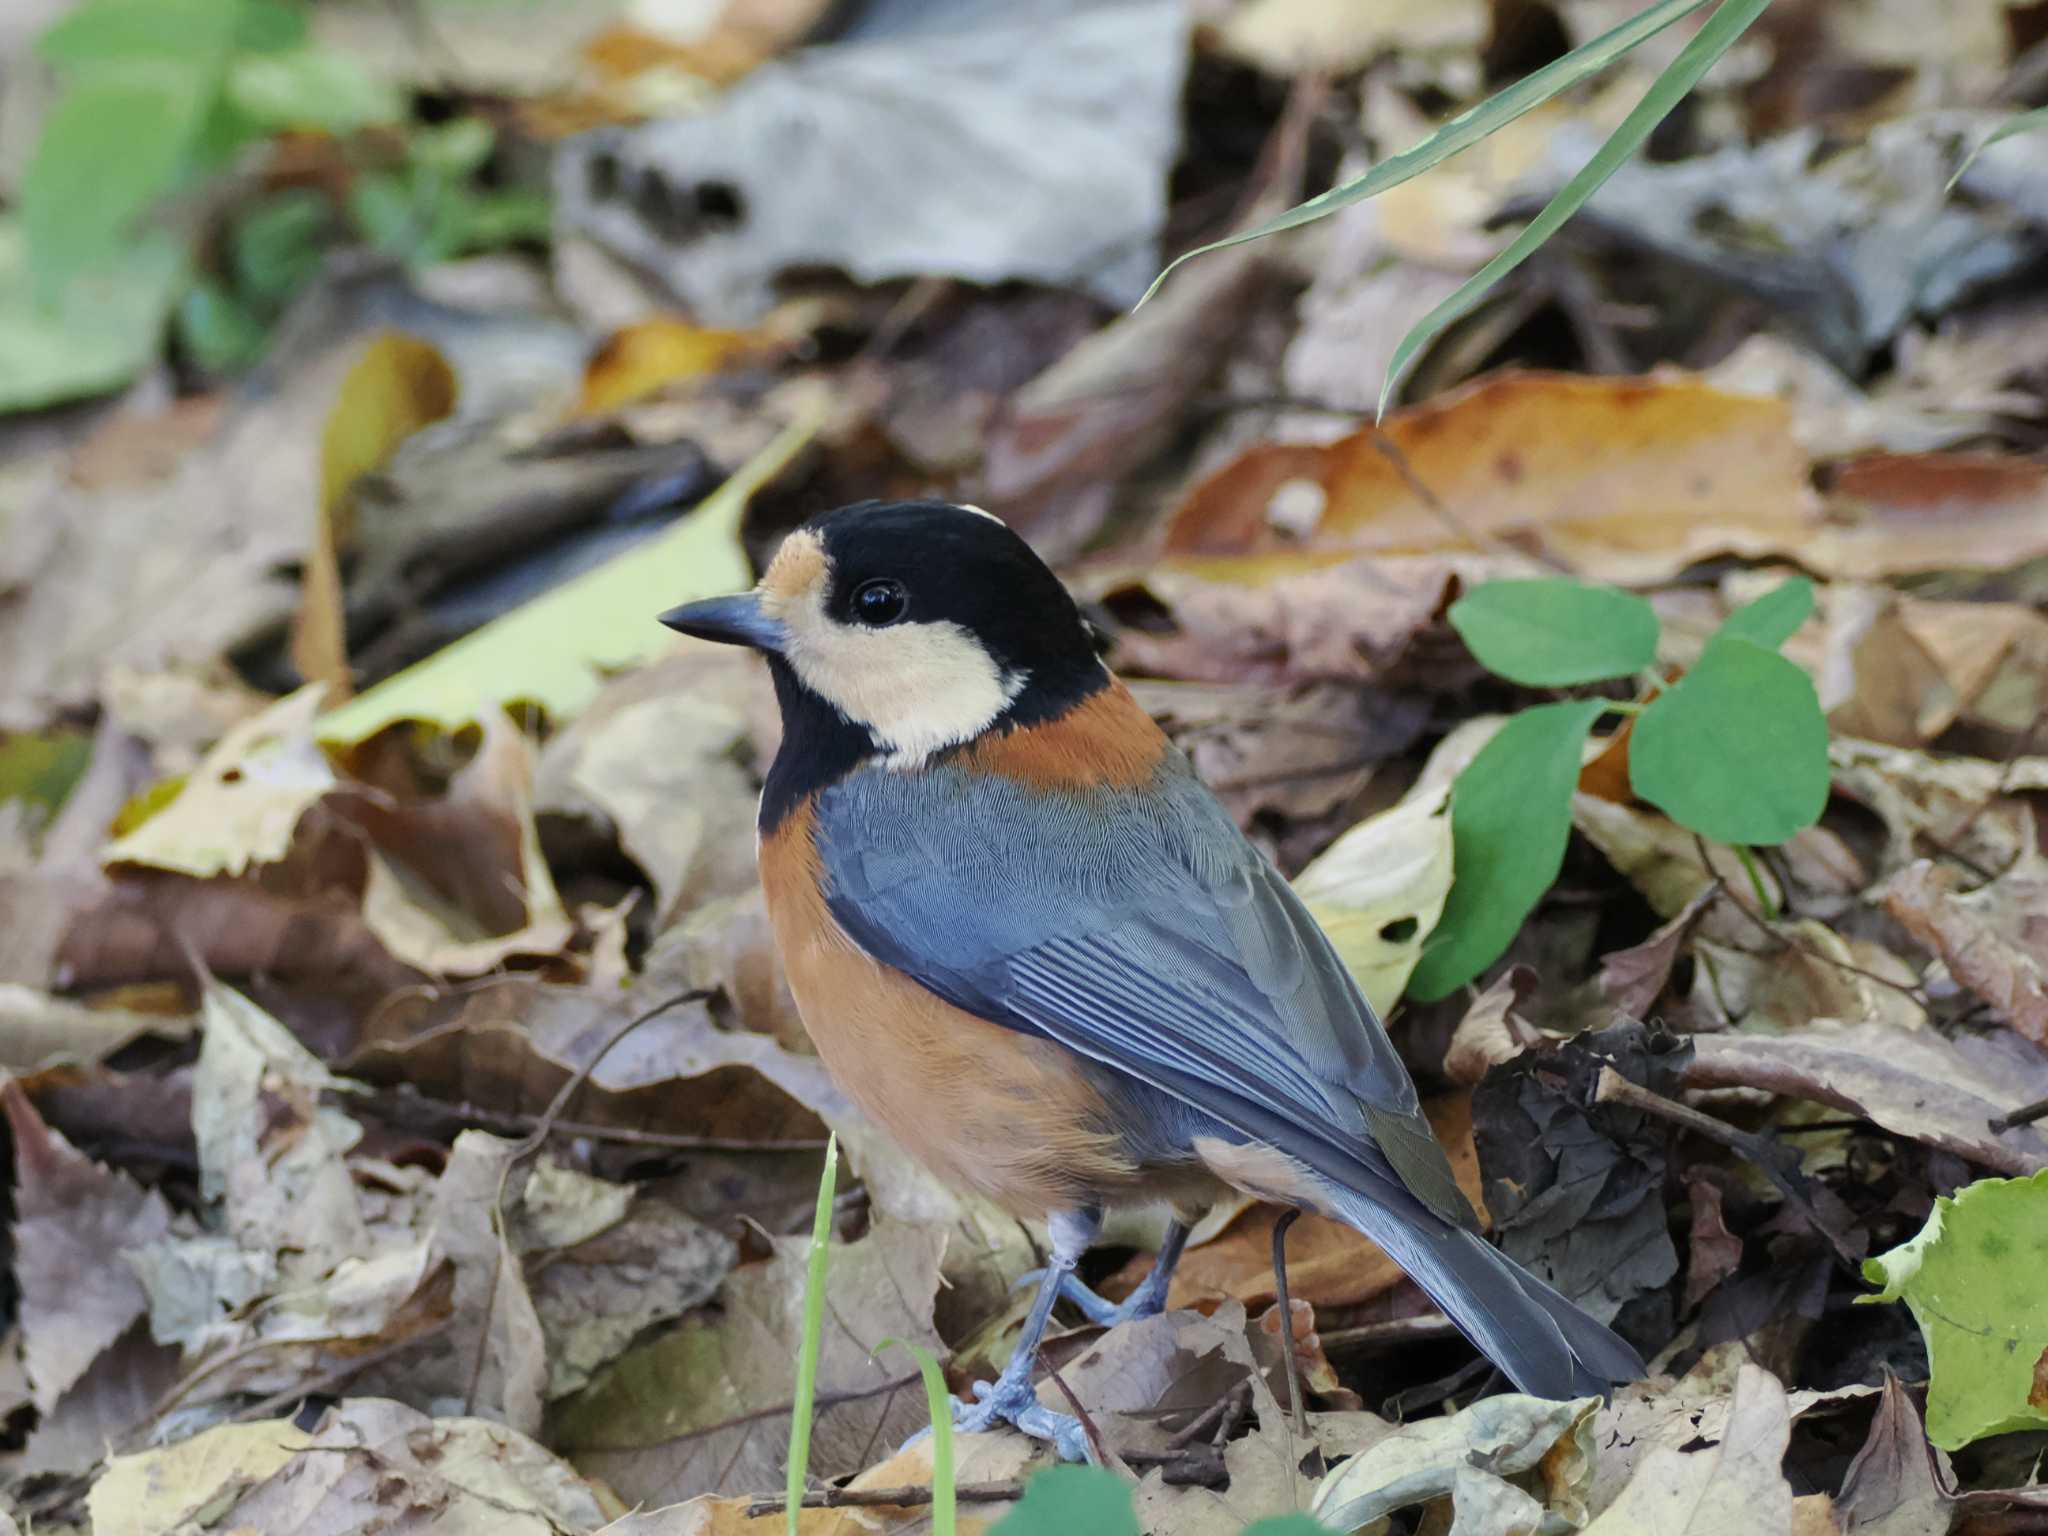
(1017, 1405)
(1145, 1301)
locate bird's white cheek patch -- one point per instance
(916, 687)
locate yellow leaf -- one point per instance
(552, 651)
(643, 358)
(399, 385)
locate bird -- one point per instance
(1030, 944)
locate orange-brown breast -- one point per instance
(987, 1109)
(1105, 741)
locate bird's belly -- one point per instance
(1002, 1114)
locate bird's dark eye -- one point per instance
(879, 602)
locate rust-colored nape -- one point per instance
(1105, 741)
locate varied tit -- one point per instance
(1031, 945)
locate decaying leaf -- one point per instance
(1616, 479)
(1379, 890)
(1914, 1083)
(72, 1220)
(1737, 1485)
(1576, 1188)
(1502, 1463)
(243, 803)
(1993, 939)
(38, 1030)
(705, 1408)
(1898, 1484)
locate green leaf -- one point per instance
(1770, 620)
(2035, 121)
(1511, 813)
(1738, 750)
(939, 1402)
(199, 32)
(1699, 55)
(554, 650)
(1071, 1501)
(277, 245)
(218, 330)
(311, 88)
(1973, 1280)
(42, 767)
(814, 1330)
(1549, 633)
(269, 26)
(103, 329)
(110, 147)
(1466, 129)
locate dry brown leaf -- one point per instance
(1634, 978)
(1713, 1252)
(397, 385)
(1898, 1484)
(1278, 618)
(73, 1218)
(372, 1464)
(1993, 939)
(1959, 803)
(459, 885)
(1894, 513)
(509, 1047)
(1624, 480)
(1802, 971)
(1914, 1083)
(705, 1408)
(1739, 1485)
(39, 1031)
(1492, 1031)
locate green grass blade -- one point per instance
(940, 1402)
(814, 1328)
(1464, 130)
(2035, 121)
(1712, 40)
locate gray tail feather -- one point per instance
(1545, 1344)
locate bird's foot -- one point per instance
(1013, 1402)
(1147, 1300)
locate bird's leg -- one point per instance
(1148, 1300)
(1011, 1399)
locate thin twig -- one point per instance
(527, 1147)
(2026, 1114)
(1426, 1329)
(912, 1496)
(1104, 1456)
(388, 1104)
(1770, 1157)
(1287, 1219)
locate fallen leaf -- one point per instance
(913, 124)
(642, 358)
(1894, 513)
(1481, 1457)
(1962, 803)
(611, 611)
(1898, 1484)
(1379, 890)
(1623, 480)
(510, 1047)
(705, 1408)
(1972, 1278)
(1284, 37)
(119, 1393)
(155, 1491)
(1492, 1031)
(373, 1463)
(1634, 978)
(1790, 973)
(1738, 1485)
(458, 886)
(243, 803)
(1991, 938)
(72, 1220)
(1713, 1253)
(1915, 1083)
(658, 757)
(1576, 1188)
(398, 385)
(38, 1030)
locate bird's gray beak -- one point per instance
(738, 620)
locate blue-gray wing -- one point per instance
(1142, 931)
